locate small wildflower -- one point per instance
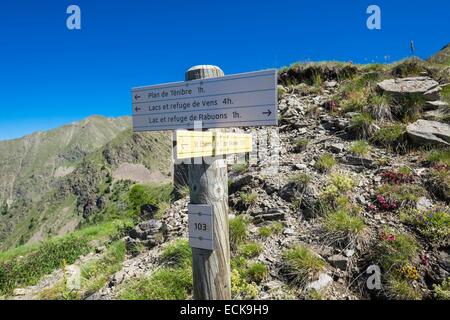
(425, 260)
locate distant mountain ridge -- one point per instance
(30, 164)
(50, 182)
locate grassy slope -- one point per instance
(25, 265)
(442, 57)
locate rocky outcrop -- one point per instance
(309, 73)
(148, 233)
(415, 85)
(424, 132)
(301, 198)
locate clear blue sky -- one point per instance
(50, 75)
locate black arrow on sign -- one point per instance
(137, 109)
(137, 97)
(268, 112)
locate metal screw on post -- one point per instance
(208, 184)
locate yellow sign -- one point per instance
(228, 143)
(193, 144)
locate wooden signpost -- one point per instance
(217, 101)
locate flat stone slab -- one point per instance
(339, 261)
(425, 132)
(433, 115)
(408, 85)
(432, 105)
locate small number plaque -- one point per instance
(201, 219)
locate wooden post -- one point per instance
(208, 184)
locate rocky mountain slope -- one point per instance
(362, 185)
(56, 180)
(356, 207)
(30, 165)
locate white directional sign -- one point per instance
(242, 100)
(200, 221)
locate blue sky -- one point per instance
(50, 75)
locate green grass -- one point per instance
(401, 289)
(19, 251)
(442, 291)
(391, 136)
(396, 254)
(51, 255)
(405, 170)
(362, 125)
(250, 250)
(154, 194)
(433, 224)
(441, 157)
(96, 274)
(164, 284)
(397, 251)
(300, 265)
(403, 193)
(445, 93)
(265, 231)
(314, 295)
(410, 67)
(360, 148)
(301, 179)
(136, 248)
(342, 182)
(59, 291)
(240, 287)
(101, 232)
(317, 80)
(309, 72)
(273, 228)
(26, 265)
(238, 231)
(335, 195)
(240, 168)
(162, 209)
(355, 95)
(257, 272)
(181, 190)
(171, 282)
(248, 198)
(325, 163)
(409, 108)
(300, 144)
(381, 111)
(177, 254)
(281, 91)
(305, 89)
(438, 183)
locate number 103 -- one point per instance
(200, 226)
